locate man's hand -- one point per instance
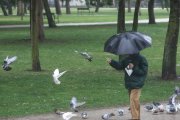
(130, 66)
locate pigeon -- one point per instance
(149, 107)
(68, 115)
(107, 116)
(84, 115)
(171, 106)
(74, 104)
(7, 62)
(158, 107)
(177, 90)
(120, 112)
(56, 75)
(85, 55)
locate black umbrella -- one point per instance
(127, 43)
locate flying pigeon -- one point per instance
(107, 116)
(120, 112)
(84, 115)
(56, 75)
(74, 104)
(7, 62)
(68, 115)
(85, 55)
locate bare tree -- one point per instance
(68, 10)
(170, 47)
(151, 12)
(36, 30)
(135, 20)
(121, 17)
(51, 21)
(58, 7)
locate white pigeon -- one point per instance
(158, 106)
(85, 55)
(68, 115)
(7, 62)
(74, 104)
(56, 75)
(107, 116)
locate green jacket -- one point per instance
(140, 69)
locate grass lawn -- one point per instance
(104, 15)
(24, 92)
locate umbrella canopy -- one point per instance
(127, 43)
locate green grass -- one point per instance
(24, 92)
(104, 15)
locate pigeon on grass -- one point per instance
(7, 62)
(74, 104)
(56, 75)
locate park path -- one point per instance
(81, 24)
(95, 114)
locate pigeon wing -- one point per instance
(60, 74)
(12, 59)
(80, 104)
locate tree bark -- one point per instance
(151, 12)
(97, 6)
(51, 21)
(129, 6)
(36, 20)
(3, 8)
(9, 6)
(58, 7)
(121, 17)
(170, 47)
(20, 8)
(68, 11)
(135, 20)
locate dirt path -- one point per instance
(96, 115)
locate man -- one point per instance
(134, 81)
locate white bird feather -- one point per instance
(56, 75)
(68, 115)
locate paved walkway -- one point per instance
(81, 24)
(96, 114)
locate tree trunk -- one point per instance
(20, 8)
(121, 17)
(151, 12)
(9, 6)
(3, 8)
(36, 18)
(129, 6)
(97, 6)
(58, 7)
(51, 21)
(170, 48)
(68, 11)
(135, 20)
